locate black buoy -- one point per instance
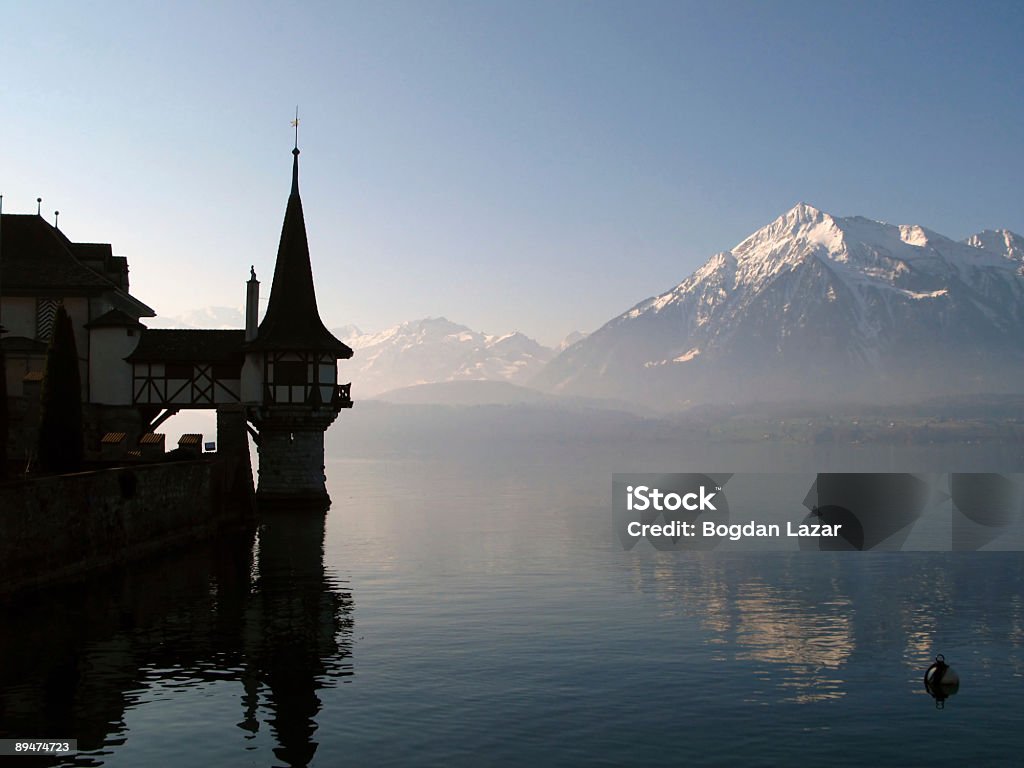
(941, 681)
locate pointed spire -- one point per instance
(295, 154)
(292, 321)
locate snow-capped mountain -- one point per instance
(347, 333)
(205, 317)
(816, 306)
(569, 340)
(425, 351)
(1001, 241)
(437, 350)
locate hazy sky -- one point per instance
(510, 165)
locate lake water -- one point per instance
(477, 610)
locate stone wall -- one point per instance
(53, 528)
(291, 464)
(97, 420)
(291, 451)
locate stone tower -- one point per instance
(289, 378)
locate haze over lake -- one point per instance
(474, 608)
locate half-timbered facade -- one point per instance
(298, 378)
(176, 369)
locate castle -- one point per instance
(275, 379)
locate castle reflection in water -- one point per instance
(241, 639)
(255, 609)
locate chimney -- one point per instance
(252, 305)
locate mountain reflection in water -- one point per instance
(807, 632)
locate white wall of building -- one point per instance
(252, 378)
(110, 377)
(18, 316)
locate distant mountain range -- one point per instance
(428, 351)
(204, 317)
(437, 350)
(810, 307)
(818, 307)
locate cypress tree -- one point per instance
(60, 409)
(4, 415)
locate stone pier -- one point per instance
(291, 449)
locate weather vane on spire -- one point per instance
(295, 125)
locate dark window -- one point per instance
(178, 371)
(290, 372)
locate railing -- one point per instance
(342, 396)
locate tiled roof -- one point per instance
(292, 321)
(115, 318)
(172, 345)
(35, 256)
(100, 258)
(38, 259)
(22, 344)
(92, 251)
